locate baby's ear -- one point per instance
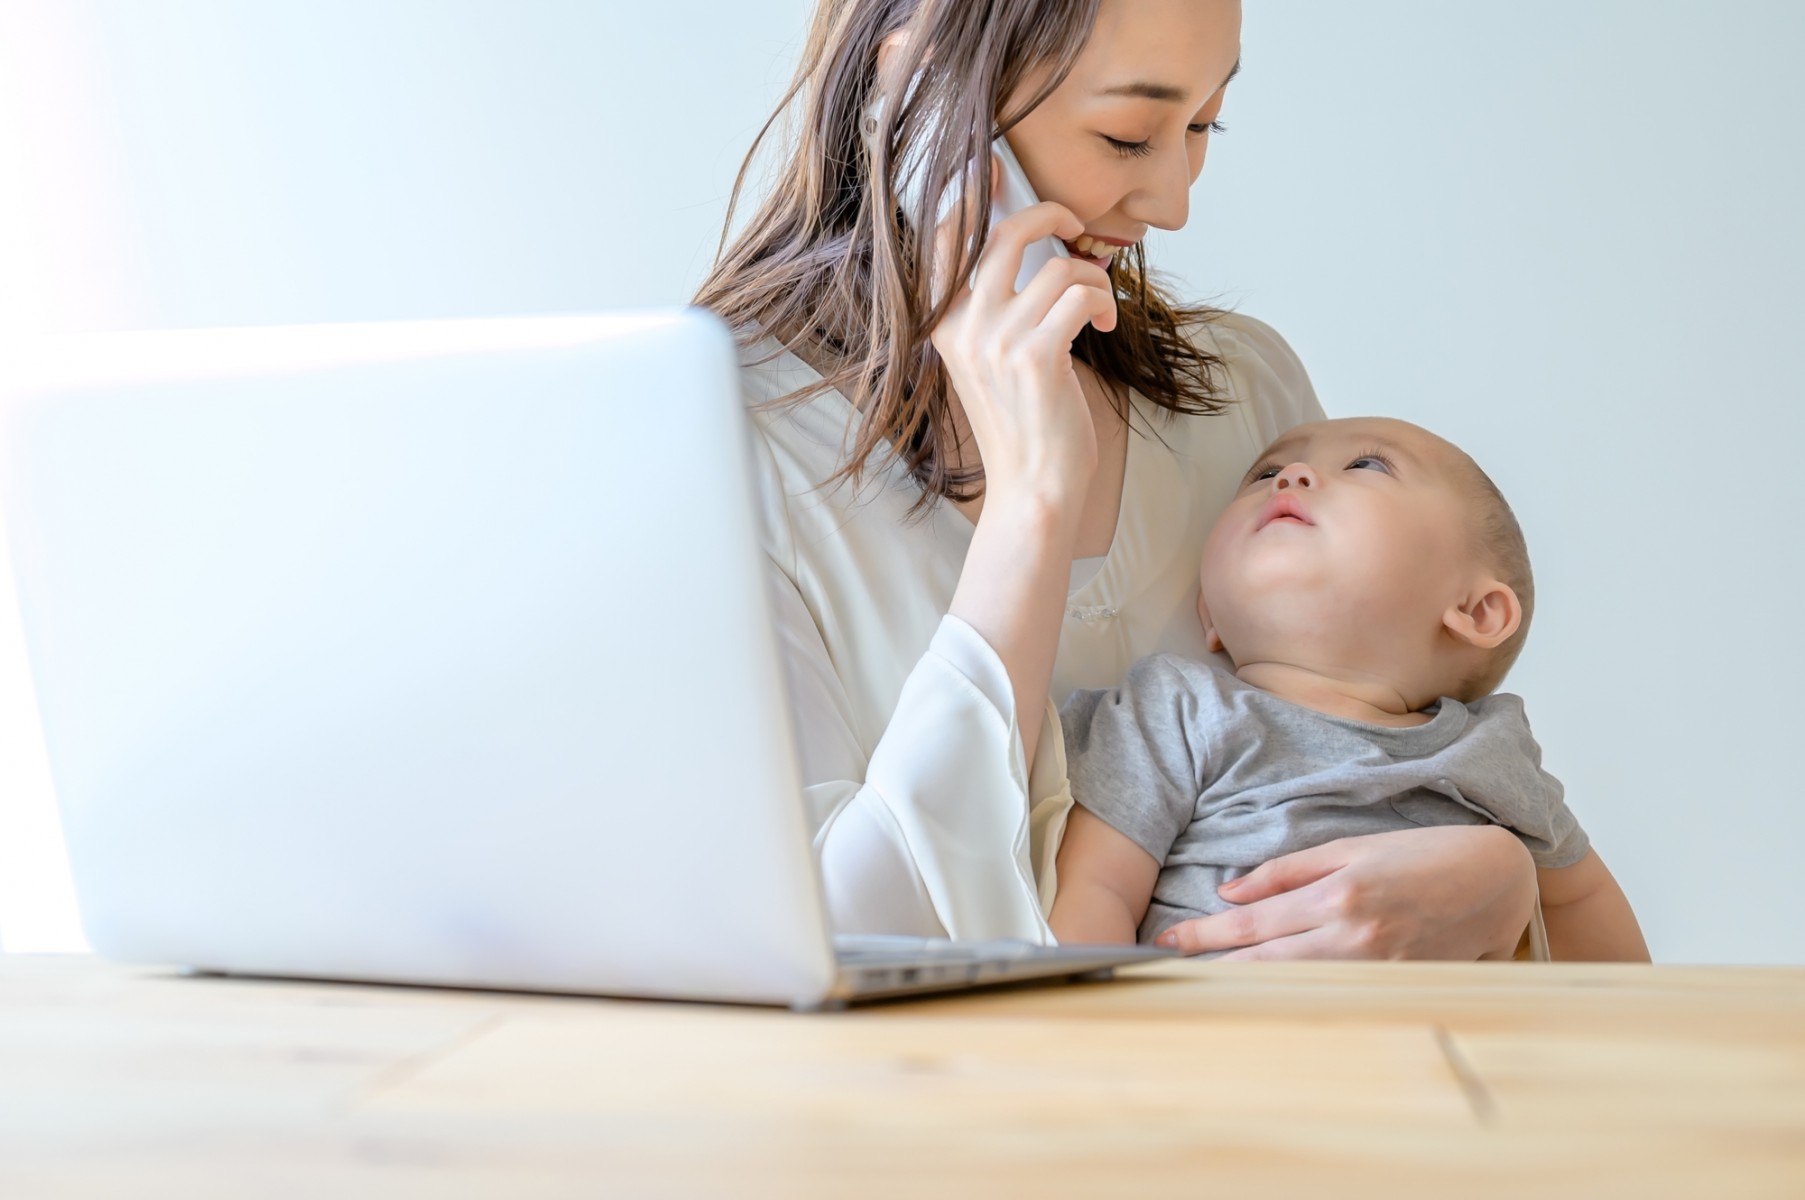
(1210, 640)
(1486, 617)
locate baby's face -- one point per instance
(1351, 536)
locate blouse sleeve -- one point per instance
(933, 834)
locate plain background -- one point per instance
(1564, 234)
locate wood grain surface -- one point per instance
(1178, 1078)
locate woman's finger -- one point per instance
(1009, 239)
(1282, 916)
(1311, 943)
(1077, 307)
(1286, 873)
(1052, 282)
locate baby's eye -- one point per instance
(1266, 472)
(1371, 462)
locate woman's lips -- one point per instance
(1094, 249)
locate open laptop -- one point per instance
(433, 653)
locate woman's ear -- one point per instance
(887, 51)
(1486, 617)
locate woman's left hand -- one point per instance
(1452, 892)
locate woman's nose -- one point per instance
(1163, 199)
(1297, 475)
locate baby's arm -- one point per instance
(1589, 918)
(1105, 882)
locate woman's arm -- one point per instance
(1448, 892)
(928, 817)
(1589, 918)
(1009, 357)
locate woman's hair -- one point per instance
(831, 268)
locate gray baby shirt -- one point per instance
(1212, 777)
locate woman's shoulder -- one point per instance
(1264, 375)
(806, 423)
(769, 372)
(803, 430)
(1240, 336)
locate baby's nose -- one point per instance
(1296, 475)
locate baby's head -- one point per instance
(1372, 551)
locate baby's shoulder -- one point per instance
(1202, 682)
(1497, 735)
(1155, 680)
(1500, 714)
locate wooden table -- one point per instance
(1178, 1079)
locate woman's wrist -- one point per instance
(1035, 518)
(1019, 558)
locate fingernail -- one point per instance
(1166, 939)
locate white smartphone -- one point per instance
(1012, 195)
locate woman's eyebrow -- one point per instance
(1166, 93)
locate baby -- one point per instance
(1371, 587)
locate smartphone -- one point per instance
(1012, 195)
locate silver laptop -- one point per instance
(432, 653)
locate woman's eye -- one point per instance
(1144, 147)
(1138, 149)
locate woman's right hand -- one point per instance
(1009, 357)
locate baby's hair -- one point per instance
(1502, 544)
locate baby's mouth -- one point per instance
(1282, 508)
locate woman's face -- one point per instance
(1123, 138)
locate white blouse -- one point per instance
(927, 820)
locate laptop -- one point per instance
(430, 653)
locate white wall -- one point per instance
(1548, 230)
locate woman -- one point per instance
(977, 500)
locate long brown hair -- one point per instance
(830, 267)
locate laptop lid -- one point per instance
(423, 652)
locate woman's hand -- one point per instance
(1452, 892)
(1009, 357)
